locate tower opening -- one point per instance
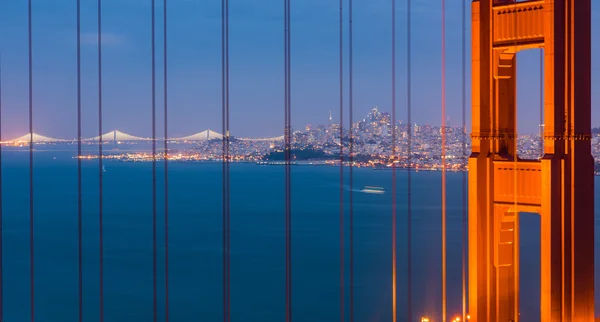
(530, 104)
(529, 266)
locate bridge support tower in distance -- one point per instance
(559, 187)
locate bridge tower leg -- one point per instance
(559, 187)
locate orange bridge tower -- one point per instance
(559, 187)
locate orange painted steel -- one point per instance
(559, 187)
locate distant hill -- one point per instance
(300, 155)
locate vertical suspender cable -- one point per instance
(288, 188)
(224, 160)
(154, 264)
(228, 172)
(464, 173)
(286, 149)
(409, 173)
(166, 183)
(224, 196)
(342, 248)
(225, 122)
(444, 295)
(227, 165)
(31, 248)
(100, 167)
(1, 205)
(79, 179)
(289, 183)
(541, 102)
(513, 314)
(351, 160)
(394, 286)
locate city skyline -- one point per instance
(108, 132)
(256, 66)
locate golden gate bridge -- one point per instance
(559, 187)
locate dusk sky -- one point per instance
(256, 65)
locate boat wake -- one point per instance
(367, 189)
(373, 190)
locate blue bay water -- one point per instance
(257, 242)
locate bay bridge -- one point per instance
(498, 186)
(118, 136)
